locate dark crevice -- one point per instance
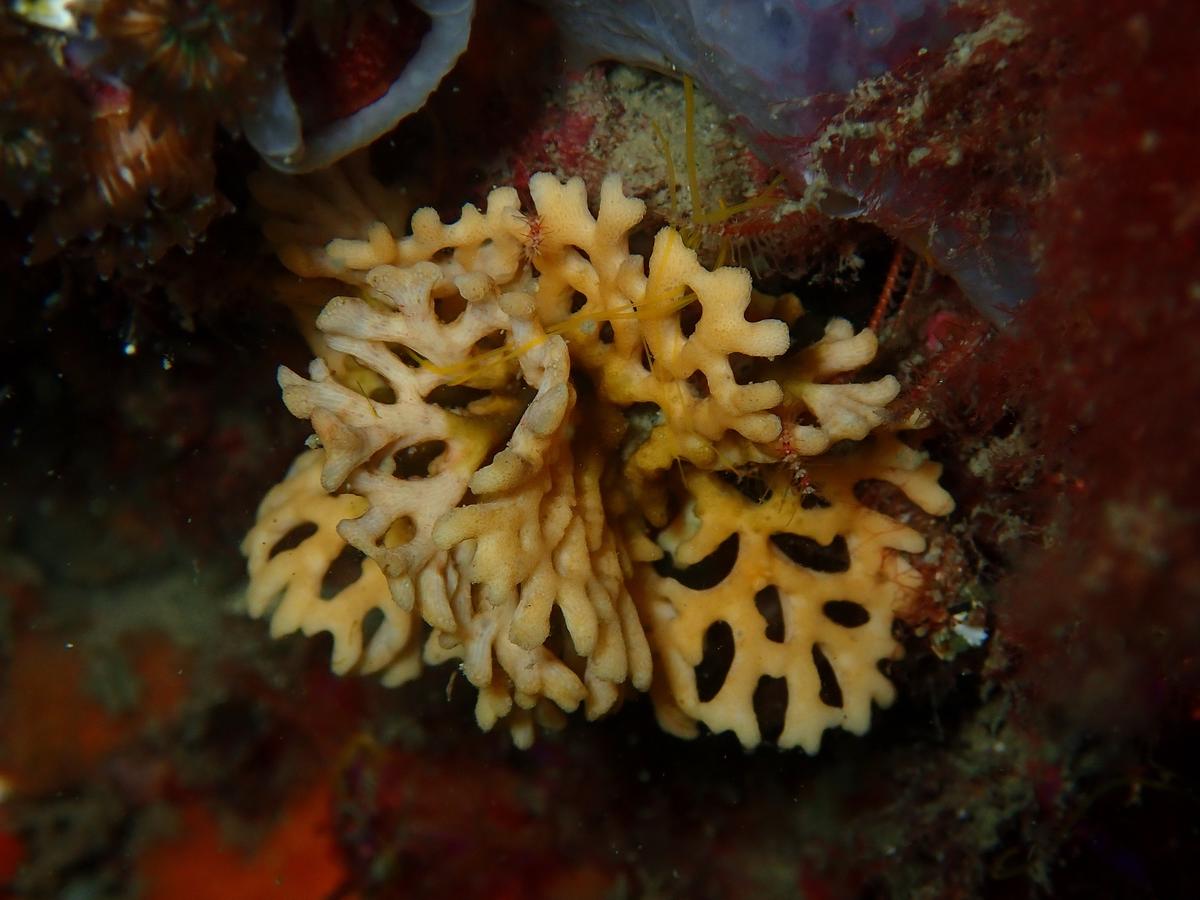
(454, 396)
(707, 573)
(804, 551)
(814, 501)
(448, 309)
(372, 622)
(743, 367)
(751, 487)
(831, 691)
(846, 613)
(416, 461)
(293, 539)
(689, 318)
(342, 572)
(714, 665)
(405, 355)
(383, 394)
(492, 341)
(770, 707)
(771, 609)
(888, 499)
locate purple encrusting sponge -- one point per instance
(783, 69)
(779, 64)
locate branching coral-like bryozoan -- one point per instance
(510, 408)
(808, 600)
(292, 550)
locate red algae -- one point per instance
(446, 821)
(54, 730)
(298, 859)
(1104, 366)
(12, 853)
(559, 139)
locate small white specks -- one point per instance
(130, 348)
(974, 637)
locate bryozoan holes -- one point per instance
(345, 569)
(804, 551)
(416, 461)
(751, 487)
(771, 609)
(293, 539)
(707, 573)
(372, 622)
(770, 706)
(846, 613)
(714, 665)
(831, 690)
